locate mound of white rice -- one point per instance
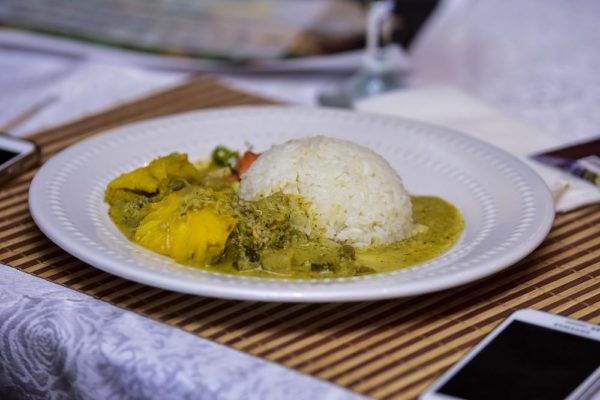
(354, 194)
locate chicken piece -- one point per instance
(160, 173)
(185, 234)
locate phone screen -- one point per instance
(526, 361)
(6, 156)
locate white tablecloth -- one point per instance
(57, 343)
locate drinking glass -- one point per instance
(376, 75)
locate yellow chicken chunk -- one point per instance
(149, 179)
(197, 235)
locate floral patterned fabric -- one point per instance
(56, 343)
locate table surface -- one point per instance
(385, 349)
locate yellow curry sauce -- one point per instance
(445, 226)
(193, 215)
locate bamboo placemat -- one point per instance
(386, 349)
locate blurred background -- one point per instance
(240, 31)
(72, 58)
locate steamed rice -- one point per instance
(355, 196)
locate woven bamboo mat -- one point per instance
(386, 349)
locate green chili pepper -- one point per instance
(224, 157)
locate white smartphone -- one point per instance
(531, 355)
(16, 156)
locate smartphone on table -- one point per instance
(16, 156)
(531, 355)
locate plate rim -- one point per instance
(173, 283)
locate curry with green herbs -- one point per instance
(192, 214)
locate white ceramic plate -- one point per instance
(507, 208)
